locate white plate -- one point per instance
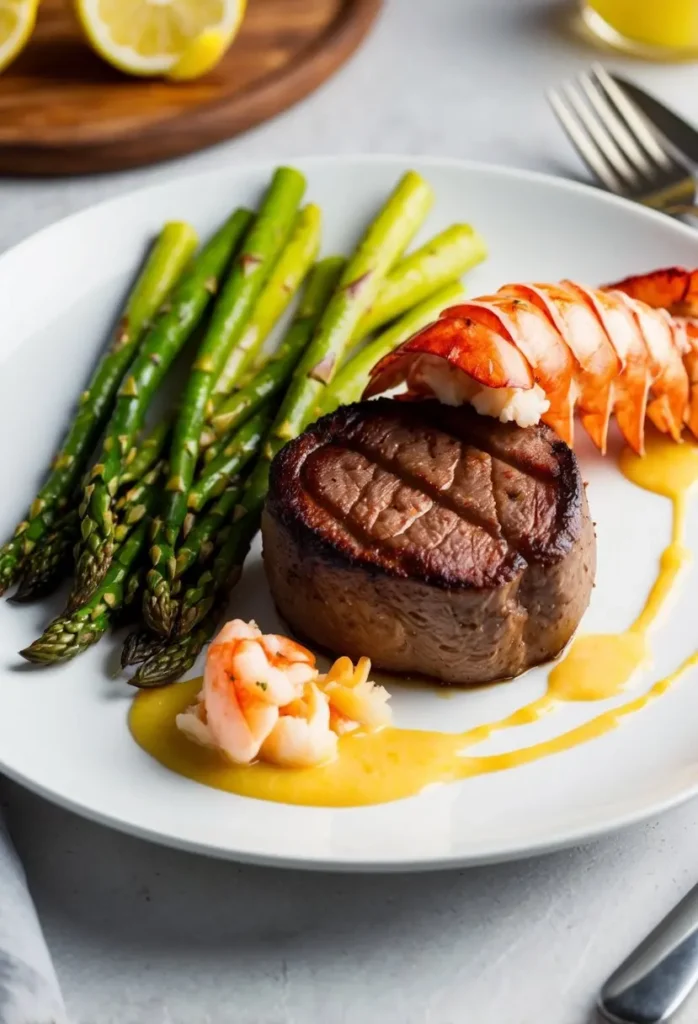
(63, 731)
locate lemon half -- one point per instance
(17, 19)
(154, 37)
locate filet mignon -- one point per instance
(431, 539)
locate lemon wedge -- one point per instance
(179, 38)
(17, 20)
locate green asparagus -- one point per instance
(227, 567)
(210, 582)
(274, 375)
(129, 613)
(199, 544)
(50, 561)
(382, 244)
(163, 343)
(284, 281)
(251, 269)
(242, 447)
(212, 484)
(168, 258)
(176, 657)
(132, 506)
(139, 646)
(349, 384)
(70, 635)
(146, 452)
(442, 260)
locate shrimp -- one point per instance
(534, 352)
(262, 696)
(302, 737)
(248, 677)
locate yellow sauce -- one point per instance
(601, 665)
(398, 763)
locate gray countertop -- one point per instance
(144, 935)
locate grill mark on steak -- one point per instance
(555, 471)
(445, 419)
(442, 498)
(547, 472)
(351, 536)
(522, 542)
(440, 541)
(436, 511)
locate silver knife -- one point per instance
(675, 130)
(656, 978)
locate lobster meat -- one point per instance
(545, 351)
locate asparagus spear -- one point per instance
(320, 287)
(284, 281)
(50, 561)
(129, 614)
(349, 384)
(139, 646)
(157, 353)
(227, 567)
(200, 619)
(199, 544)
(218, 476)
(242, 447)
(131, 608)
(445, 258)
(168, 258)
(385, 239)
(251, 269)
(133, 505)
(145, 453)
(274, 376)
(70, 635)
(169, 663)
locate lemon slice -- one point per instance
(201, 56)
(153, 37)
(17, 19)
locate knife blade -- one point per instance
(678, 132)
(658, 976)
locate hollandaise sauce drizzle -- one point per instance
(398, 763)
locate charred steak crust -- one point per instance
(551, 462)
(431, 539)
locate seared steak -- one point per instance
(431, 539)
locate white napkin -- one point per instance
(29, 992)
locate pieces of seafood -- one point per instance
(263, 697)
(534, 352)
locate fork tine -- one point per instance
(586, 148)
(622, 136)
(632, 116)
(600, 136)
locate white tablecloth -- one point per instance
(142, 935)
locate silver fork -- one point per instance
(614, 140)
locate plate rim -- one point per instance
(510, 852)
(501, 851)
(319, 159)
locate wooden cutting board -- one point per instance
(64, 111)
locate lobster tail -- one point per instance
(628, 350)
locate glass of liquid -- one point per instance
(657, 29)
